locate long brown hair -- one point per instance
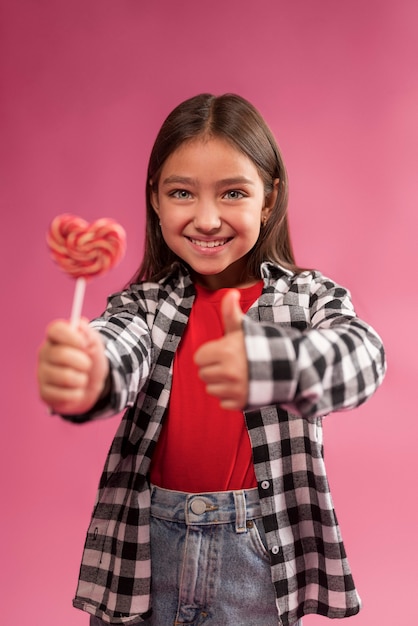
(233, 118)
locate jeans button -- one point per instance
(198, 506)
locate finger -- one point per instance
(61, 332)
(218, 375)
(229, 398)
(64, 377)
(61, 400)
(232, 405)
(64, 356)
(208, 354)
(216, 351)
(231, 311)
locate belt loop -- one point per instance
(240, 512)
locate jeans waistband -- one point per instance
(206, 508)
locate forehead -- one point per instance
(204, 156)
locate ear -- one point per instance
(270, 201)
(154, 197)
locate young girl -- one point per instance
(214, 506)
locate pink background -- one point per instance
(85, 85)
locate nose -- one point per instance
(207, 217)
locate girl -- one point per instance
(214, 496)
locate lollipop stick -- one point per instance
(80, 287)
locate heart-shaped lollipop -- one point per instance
(84, 250)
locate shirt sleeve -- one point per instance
(336, 364)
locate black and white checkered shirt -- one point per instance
(308, 355)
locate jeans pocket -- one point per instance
(258, 536)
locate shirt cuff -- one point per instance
(271, 364)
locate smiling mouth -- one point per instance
(213, 243)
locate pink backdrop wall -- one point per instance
(85, 85)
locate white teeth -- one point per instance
(208, 244)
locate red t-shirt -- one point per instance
(203, 447)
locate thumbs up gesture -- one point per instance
(223, 363)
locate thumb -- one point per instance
(231, 311)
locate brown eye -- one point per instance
(234, 194)
(181, 194)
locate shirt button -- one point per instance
(275, 549)
(198, 506)
(265, 484)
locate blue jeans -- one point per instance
(210, 565)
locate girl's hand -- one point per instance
(223, 363)
(73, 369)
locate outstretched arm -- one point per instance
(337, 363)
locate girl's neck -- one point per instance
(242, 285)
(212, 283)
(236, 276)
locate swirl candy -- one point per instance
(84, 250)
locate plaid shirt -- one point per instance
(308, 355)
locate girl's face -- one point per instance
(211, 203)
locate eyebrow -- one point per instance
(185, 180)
